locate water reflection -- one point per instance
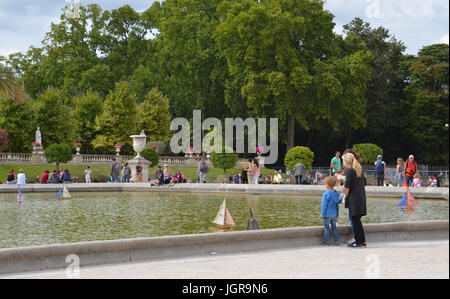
(42, 219)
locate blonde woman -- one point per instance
(355, 198)
(250, 171)
(400, 171)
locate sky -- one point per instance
(23, 23)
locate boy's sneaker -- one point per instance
(325, 244)
(351, 241)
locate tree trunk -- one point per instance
(291, 132)
(348, 139)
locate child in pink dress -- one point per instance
(416, 181)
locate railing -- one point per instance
(9, 158)
(101, 159)
(86, 159)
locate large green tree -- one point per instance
(154, 117)
(427, 105)
(187, 66)
(118, 120)
(87, 108)
(17, 120)
(384, 89)
(51, 115)
(289, 63)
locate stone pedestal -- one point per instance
(145, 166)
(37, 158)
(77, 159)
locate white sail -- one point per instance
(66, 193)
(220, 218)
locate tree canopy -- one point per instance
(116, 72)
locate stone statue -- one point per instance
(38, 136)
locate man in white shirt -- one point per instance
(21, 178)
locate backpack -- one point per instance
(410, 170)
(379, 167)
(204, 167)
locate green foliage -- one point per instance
(58, 153)
(224, 160)
(87, 108)
(240, 58)
(427, 118)
(51, 115)
(151, 155)
(288, 63)
(118, 120)
(97, 79)
(384, 86)
(17, 120)
(8, 85)
(368, 152)
(187, 65)
(299, 154)
(154, 117)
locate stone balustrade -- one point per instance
(101, 159)
(87, 159)
(15, 158)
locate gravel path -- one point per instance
(427, 259)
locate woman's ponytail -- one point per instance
(351, 160)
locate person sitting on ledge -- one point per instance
(66, 177)
(277, 178)
(268, 179)
(11, 177)
(55, 178)
(159, 177)
(177, 178)
(44, 178)
(236, 178)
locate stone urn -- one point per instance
(77, 148)
(139, 143)
(118, 147)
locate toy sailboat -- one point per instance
(408, 200)
(223, 217)
(63, 193)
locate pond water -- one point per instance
(42, 219)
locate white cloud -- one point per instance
(443, 40)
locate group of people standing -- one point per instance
(405, 171)
(122, 173)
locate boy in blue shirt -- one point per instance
(330, 210)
